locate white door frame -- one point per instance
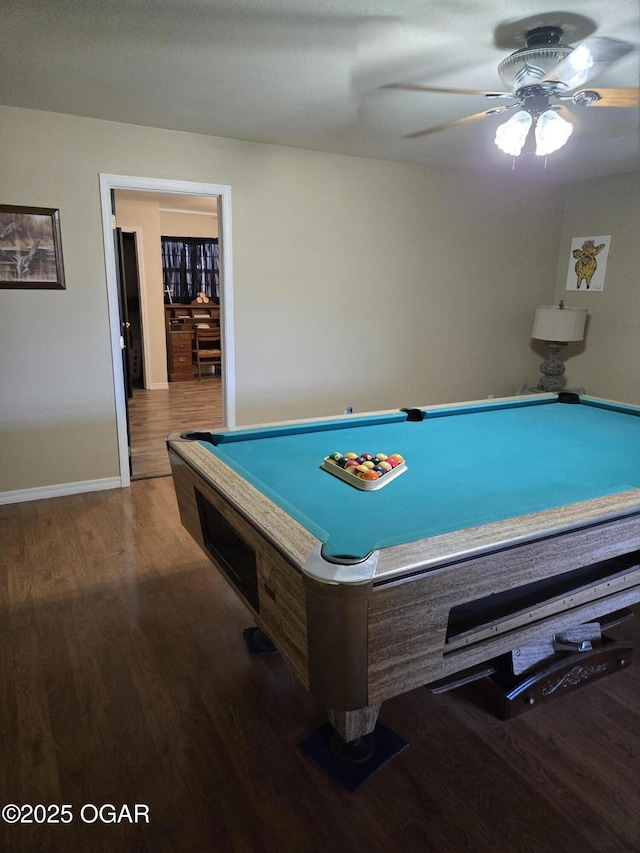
(223, 193)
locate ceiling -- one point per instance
(307, 73)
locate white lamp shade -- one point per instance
(511, 136)
(552, 323)
(552, 132)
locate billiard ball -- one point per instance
(370, 475)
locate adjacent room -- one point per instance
(170, 239)
(218, 217)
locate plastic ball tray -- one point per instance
(356, 482)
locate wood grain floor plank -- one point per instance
(153, 415)
(558, 764)
(467, 773)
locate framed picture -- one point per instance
(30, 248)
(588, 263)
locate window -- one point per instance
(190, 266)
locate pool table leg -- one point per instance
(338, 654)
(354, 724)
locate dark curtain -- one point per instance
(190, 266)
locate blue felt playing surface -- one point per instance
(465, 467)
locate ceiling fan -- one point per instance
(543, 72)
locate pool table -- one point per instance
(514, 521)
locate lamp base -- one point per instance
(552, 368)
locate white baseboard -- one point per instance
(158, 386)
(59, 490)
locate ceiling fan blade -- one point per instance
(413, 87)
(616, 98)
(563, 112)
(448, 124)
(586, 61)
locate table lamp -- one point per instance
(556, 325)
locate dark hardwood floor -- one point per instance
(153, 415)
(124, 679)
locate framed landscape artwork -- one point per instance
(30, 248)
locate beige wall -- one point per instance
(607, 364)
(356, 282)
(187, 225)
(377, 285)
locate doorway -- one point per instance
(108, 185)
(157, 407)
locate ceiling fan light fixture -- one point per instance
(528, 66)
(552, 132)
(511, 136)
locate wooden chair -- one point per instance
(206, 348)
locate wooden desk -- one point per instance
(180, 321)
